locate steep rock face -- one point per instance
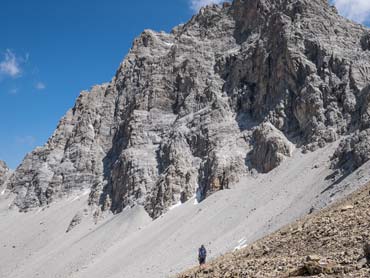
(186, 112)
(306, 75)
(4, 172)
(354, 150)
(72, 159)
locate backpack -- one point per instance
(202, 253)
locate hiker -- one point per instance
(202, 254)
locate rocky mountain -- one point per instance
(230, 93)
(331, 243)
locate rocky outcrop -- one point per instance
(185, 112)
(4, 172)
(76, 220)
(352, 152)
(270, 148)
(354, 149)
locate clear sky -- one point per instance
(51, 50)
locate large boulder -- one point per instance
(271, 147)
(352, 152)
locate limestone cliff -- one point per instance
(234, 89)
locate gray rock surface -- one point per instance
(76, 220)
(270, 148)
(185, 113)
(4, 172)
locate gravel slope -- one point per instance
(329, 243)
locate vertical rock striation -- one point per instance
(188, 112)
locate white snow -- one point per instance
(241, 244)
(195, 200)
(78, 197)
(168, 43)
(175, 206)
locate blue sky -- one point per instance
(51, 50)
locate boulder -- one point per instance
(76, 220)
(270, 148)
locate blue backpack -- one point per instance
(202, 252)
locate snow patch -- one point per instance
(39, 210)
(168, 43)
(84, 193)
(242, 243)
(194, 199)
(175, 206)
(233, 50)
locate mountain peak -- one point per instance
(170, 123)
(270, 99)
